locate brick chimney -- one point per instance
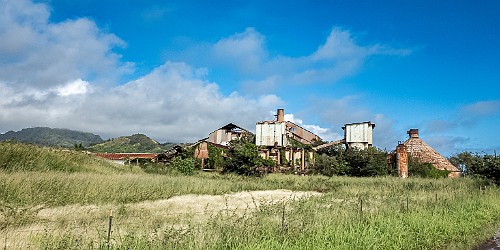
(402, 160)
(413, 133)
(280, 116)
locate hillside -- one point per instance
(17, 156)
(54, 137)
(137, 143)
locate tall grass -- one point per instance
(395, 213)
(15, 156)
(42, 187)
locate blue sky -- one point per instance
(177, 70)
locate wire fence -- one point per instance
(108, 231)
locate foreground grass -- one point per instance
(55, 199)
(352, 213)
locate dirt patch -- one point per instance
(491, 244)
(183, 204)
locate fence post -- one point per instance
(283, 219)
(407, 203)
(109, 226)
(361, 207)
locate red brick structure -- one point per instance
(401, 155)
(415, 148)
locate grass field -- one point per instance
(57, 208)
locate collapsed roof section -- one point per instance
(227, 133)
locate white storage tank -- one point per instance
(359, 135)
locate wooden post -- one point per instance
(283, 218)
(109, 226)
(303, 163)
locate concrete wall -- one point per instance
(359, 135)
(270, 134)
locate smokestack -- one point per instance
(280, 117)
(413, 133)
(402, 160)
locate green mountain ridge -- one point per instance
(52, 137)
(137, 143)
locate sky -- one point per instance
(178, 70)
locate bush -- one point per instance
(330, 165)
(425, 170)
(187, 166)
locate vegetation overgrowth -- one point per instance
(137, 143)
(68, 208)
(16, 156)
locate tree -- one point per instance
(482, 166)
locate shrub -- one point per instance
(187, 166)
(425, 170)
(330, 165)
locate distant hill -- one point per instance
(53, 137)
(137, 143)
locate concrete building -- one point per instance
(282, 133)
(284, 141)
(358, 135)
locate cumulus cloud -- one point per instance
(466, 117)
(245, 53)
(65, 75)
(76, 87)
(169, 104)
(38, 53)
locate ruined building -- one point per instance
(358, 135)
(414, 147)
(280, 137)
(227, 133)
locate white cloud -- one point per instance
(38, 53)
(324, 133)
(66, 74)
(76, 87)
(172, 103)
(482, 108)
(244, 50)
(245, 57)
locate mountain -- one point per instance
(137, 143)
(54, 137)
